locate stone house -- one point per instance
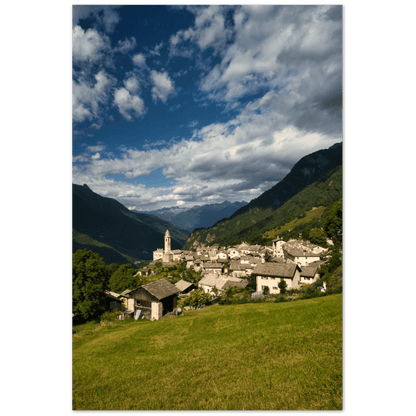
(207, 283)
(156, 299)
(270, 274)
(213, 268)
(278, 247)
(233, 253)
(236, 269)
(158, 254)
(309, 273)
(300, 256)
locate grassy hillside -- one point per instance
(309, 216)
(254, 224)
(276, 356)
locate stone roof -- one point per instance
(125, 293)
(161, 289)
(238, 266)
(213, 266)
(231, 282)
(183, 285)
(284, 270)
(108, 295)
(114, 294)
(309, 271)
(213, 280)
(298, 252)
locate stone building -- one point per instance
(156, 299)
(165, 254)
(270, 274)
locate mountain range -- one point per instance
(121, 235)
(198, 216)
(315, 180)
(108, 227)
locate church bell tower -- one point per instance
(168, 240)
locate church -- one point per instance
(165, 254)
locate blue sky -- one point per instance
(184, 106)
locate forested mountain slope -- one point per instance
(252, 225)
(111, 223)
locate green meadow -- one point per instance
(255, 356)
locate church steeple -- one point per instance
(168, 240)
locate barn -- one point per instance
(156, 299)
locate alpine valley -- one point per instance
(291, 208)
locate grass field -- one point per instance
(312, 214)
(276, 356)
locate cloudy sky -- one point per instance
(184, 106)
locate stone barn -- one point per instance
(156, 299)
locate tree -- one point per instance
(317, 236)
(333, 263)
(266, 290)
(89, 281)
(282, 286)
(196, 299)
(123, 278)
(112, 268)
(333, 223)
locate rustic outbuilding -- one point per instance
(156, 299)
(184, 286)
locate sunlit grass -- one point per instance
(251, 356)
(309, 215)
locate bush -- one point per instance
(309, 291)
(282, 286)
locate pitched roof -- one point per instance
(309, 271)
(183, 285)
(108, 295)
(298, 252)
(213, 280)
(114, 294)
(230, 282)
(161, 289)
(125, 293)
(285, 270)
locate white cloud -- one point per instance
(139, 60)
(224, 164)
(88, 45)
(126, 45)
(96, 156)
(105, 15)
(292, 55)
(128, 103)
(156, 50)
(96, 148)
(209, 30)
(86, 98)
(163, 86)
(131, 84)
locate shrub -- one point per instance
(282, 286)
(309, 291)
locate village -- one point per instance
(295, 263)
